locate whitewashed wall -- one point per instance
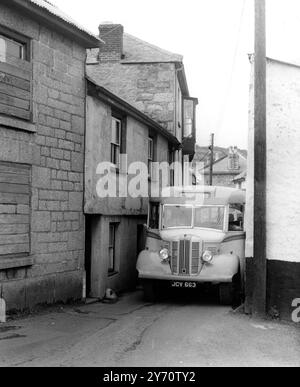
(283, 163)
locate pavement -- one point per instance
(175, 332)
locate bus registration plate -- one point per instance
(184, 285)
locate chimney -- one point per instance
(233, 159)
(112, 35)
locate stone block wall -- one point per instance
(55, 153)
(148, 87)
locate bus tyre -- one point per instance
(237, 297)
(226, 294)
(149, 291)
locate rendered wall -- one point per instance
(283, 184)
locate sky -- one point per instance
(215, 38)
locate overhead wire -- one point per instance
(230, 82)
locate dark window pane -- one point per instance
(154, 216)
(112, 248)
(236, 218)
(150, 149)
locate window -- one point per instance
(172, 171)
(233, 162)
(10, 48)
(150, 156)
(153, 222)
(209, 217)
(116, 141)
(236, 218)
(189, 107)
(179, 107)
(177, 217)
(112, 267)
(15, 75)
(14, 210)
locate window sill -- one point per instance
(14, 263)
(15, 123)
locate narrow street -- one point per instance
(171, 333)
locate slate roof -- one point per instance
(138, 51)
(54, 11)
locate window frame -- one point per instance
(115, 145)
(150, 156)
(13, 118)
(122, 118)
(152, 136)
(171, 160)
(233, 162)
(21, 39)
(192, 132)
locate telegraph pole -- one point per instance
(260, 167)
(211, 165)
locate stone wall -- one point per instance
(148, 87)
(55, 153)
(130, 213)
(98, 140)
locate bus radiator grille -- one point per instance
(185, 258)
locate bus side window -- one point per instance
(154, 216)
(236, 218)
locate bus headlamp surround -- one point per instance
(164, 254)
(207, 256)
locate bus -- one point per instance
(195, 235)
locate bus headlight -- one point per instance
(164, 254)
(207, 256)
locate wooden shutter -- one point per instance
(15, 76)
(15, 88)
(14, 208)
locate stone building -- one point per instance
(240, 181)
(282, 190)
(151, 79)
(228, 165)
(115, 225)
(42, 127)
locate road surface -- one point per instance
(174, 332)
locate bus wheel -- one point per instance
(226, 294)
(149, 290)
(237, 297)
